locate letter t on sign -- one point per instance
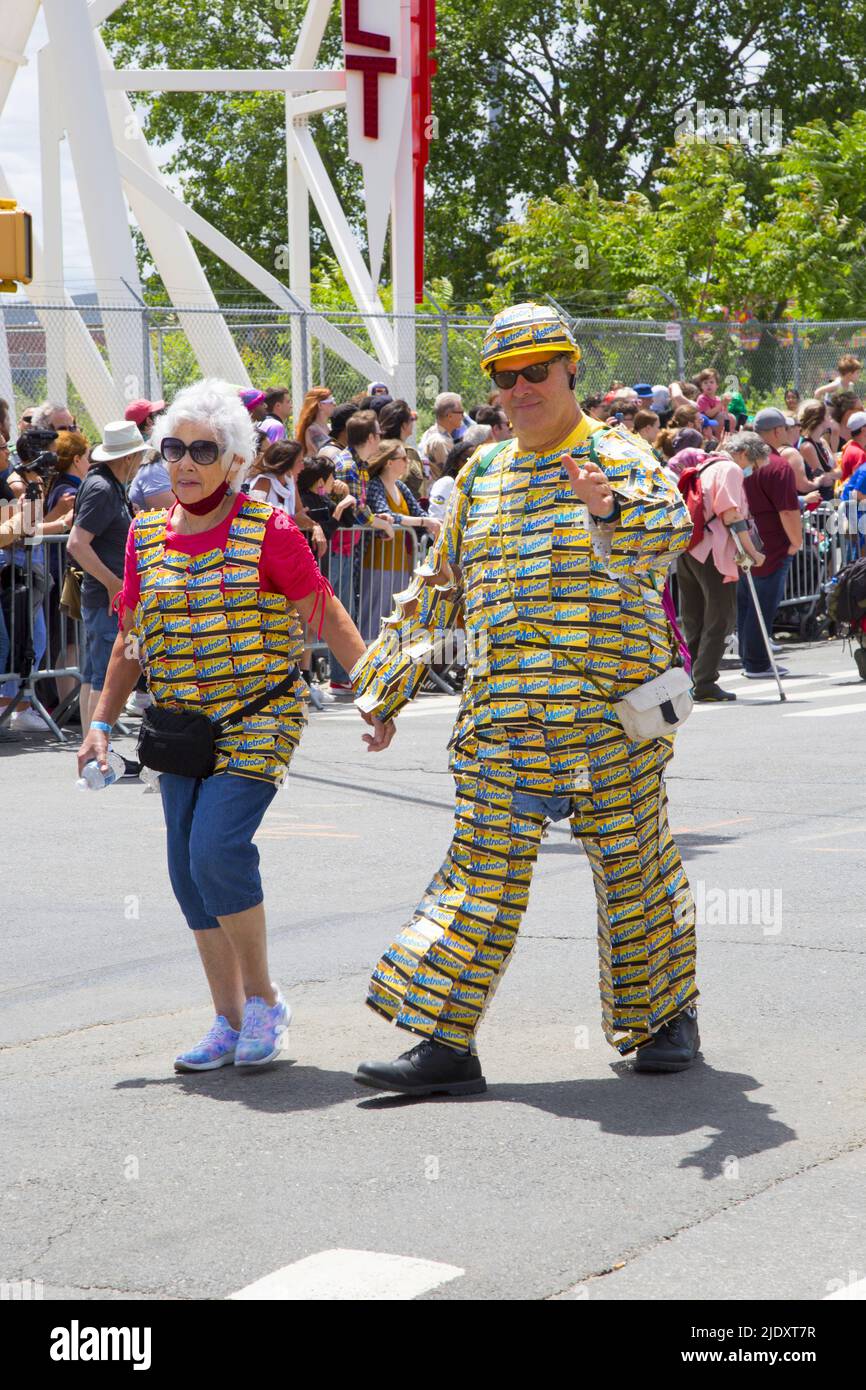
(370, 67)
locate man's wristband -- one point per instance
(100, 724)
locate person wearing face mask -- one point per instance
(213, 593)
(554, 547)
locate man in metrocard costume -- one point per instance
(554, 551)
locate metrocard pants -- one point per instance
(441, 972)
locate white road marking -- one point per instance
(762, 687)
(828, 692)
(351, 1276)
(854, 1291)
(827, 713)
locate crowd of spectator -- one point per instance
(367, 496)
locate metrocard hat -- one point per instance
(119, 438)
(526, 330)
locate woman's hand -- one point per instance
(344, 505)
(94, 746)
(431, 525)
(383, 732)
(383, 523)
(319, 541)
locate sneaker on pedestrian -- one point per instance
(317, 699)
(131, 768)
(27, 721)
(767, 675)
(263, 1031)
(216, 1049)
(341, 687)
(430, 1068)
(674, 1047)
(712, 695)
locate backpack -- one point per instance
(847, 602)
(689, 484)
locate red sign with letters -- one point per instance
(374, 65)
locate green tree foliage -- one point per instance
(698, 239)
(530, 97)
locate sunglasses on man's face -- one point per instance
(534, 373)
(200, 450)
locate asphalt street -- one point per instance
(573, 1177)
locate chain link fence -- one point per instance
(100, 357)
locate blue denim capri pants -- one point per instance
(212, 861)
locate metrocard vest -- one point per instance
(209, 639)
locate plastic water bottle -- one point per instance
(150, 778)
(93, 779)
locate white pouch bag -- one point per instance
(657, 707)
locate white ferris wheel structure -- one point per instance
(384, 87)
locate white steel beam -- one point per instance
(17, 18)
(403, 235)
(50, 135)
(100, 10)
(314, 103)
(172, 251)
(351, 261)
(104, 210)
(216, 241)
(217, 80)
(311, 33)
(299, 259)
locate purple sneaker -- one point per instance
(263, 1031)
(216, 1049)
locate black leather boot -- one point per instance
(674, 1047)
(426, 1070)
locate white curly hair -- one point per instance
(217, 404)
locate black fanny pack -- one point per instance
(184, 741)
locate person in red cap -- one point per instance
(144, 413)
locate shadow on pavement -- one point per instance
(278, 1089)
(644, 1105)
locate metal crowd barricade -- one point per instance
(366, 570)
(49, 644)
(833, 536)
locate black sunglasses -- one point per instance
(200, 450)
(535, 372)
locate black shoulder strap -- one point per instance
(258, 703)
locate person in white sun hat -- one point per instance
(97, 542)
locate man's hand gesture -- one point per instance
(589, 483)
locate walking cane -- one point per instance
(745, 563)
